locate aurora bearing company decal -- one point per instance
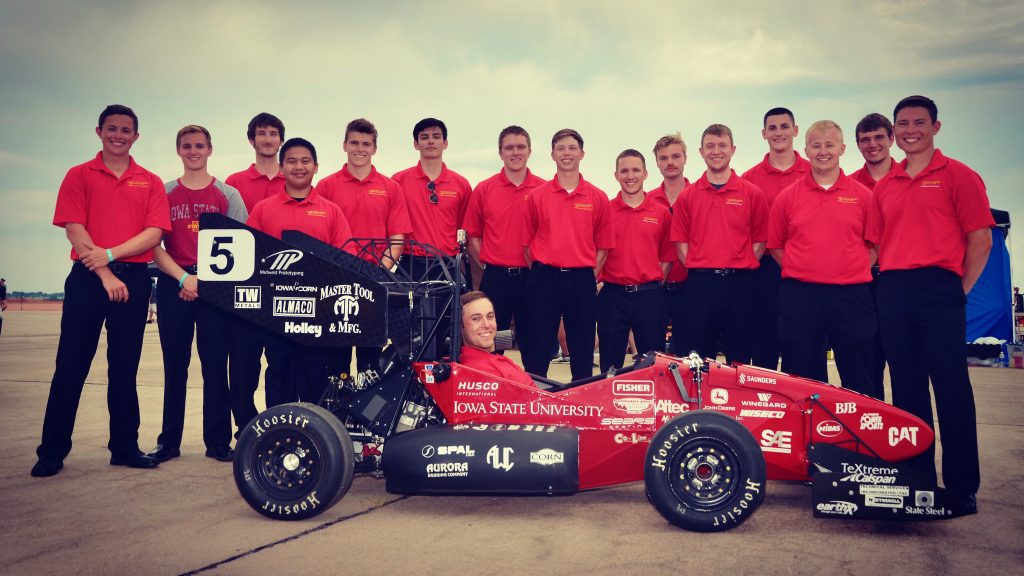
(633, 388)
(295, 307)
(634, 405)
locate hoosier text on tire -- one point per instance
(293, 461)
(704, 472)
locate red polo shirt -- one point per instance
(374, 207)
(112, 209)
(566, 230)
(864, 177)
(313, 215)
(721, 225)
(822, 232)
(495, 364)
(496, 214)
(924, 221)
(678, 272)
(435, 224)
(641, 242)
(771, 180)
(254, 186)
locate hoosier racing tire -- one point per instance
(293, 461)
(704, 472)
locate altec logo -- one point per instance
(248, 297)
(500, 458)
(284, 259)
(633, 388)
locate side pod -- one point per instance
(847, 484)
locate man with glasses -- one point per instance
(436, 197)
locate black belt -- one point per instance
(719, 271)
(120, 267)
(675, 285)
(509, 270)
(190, 269)
(630, 288)
(543, 265)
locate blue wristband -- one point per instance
(181, 281)
(110, 255)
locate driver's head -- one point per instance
(478, 324)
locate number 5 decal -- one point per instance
(226, 255)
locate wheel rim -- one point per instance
(705, 472)
(287, 463)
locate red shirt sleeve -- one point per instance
(398, 212)
(758, 217)
(71, 201)
(876, 224)
(604, 230)
(473, 223)
(158, 211)
(529, 226)
(342, 231)
(255, 219)
(681, 218)
(668, 248)
(778, 226)
(971, 201)
(466, 195)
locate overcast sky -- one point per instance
(623, 74)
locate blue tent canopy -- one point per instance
(989, 310)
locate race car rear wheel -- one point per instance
(704, 472)
(293, 461)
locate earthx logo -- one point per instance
(248, 297)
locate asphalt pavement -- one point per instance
(186, 517)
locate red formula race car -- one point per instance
(703, 437)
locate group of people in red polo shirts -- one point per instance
(774, 263)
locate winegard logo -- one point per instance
(284, 259)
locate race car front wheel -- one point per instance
(704, 472)
(293, 461)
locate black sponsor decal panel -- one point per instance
(483, 459)
(320, 297)
(851, 485)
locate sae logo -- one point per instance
(248, 297)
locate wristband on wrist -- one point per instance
(181, 281)
(110, 255)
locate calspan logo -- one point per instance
(346, 305)
(284, 259)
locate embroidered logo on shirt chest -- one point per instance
(583, 206)
(846, 199)
(376, 192)
(734, 201)
(316, 213)
(137, 183)
(650, 219)
(931, 183)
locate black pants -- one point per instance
(507, 291)
(718, 305)
(808, 313)
(86, 309)
(551, 294)
(619, 311)
(296, 373)
(179, 320)
(244, 367)
(675, 300)
(923, 321)
(765, 344)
